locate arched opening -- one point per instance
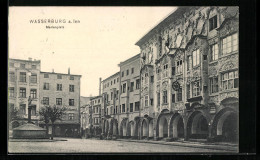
(177, 126)
(151, 128)
(115, 126)
(225, 126)
(163, 127)
(123, 128)
(144, 129)
(197, 126)
(131, 129)
(106, 127)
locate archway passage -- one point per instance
(197, 126)
(163, 127)
(177, 126)
(114, 127)
(144, 129)
(150, 128)
(131, 129)
(225, 126)
(123, 128)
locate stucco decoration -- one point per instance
(165, 85)
(223, 96)
(213, 70)
(179, 106)
(228, 12)
(145, 91)
(227, 66)
(229, 27)
(214, 99)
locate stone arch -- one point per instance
(114, 127)
(144, 128)
(123, 127)
(131, 129)
(225, 125)
(150, 126)
(176, 126)
(162, 126)
(197, 125)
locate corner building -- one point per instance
(189, 76)
(62, 90)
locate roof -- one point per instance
(129, 60)
(166, 21)
(60, 74)
(95, 97)
(117, 73)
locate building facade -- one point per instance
(62, 90)
(23, 84)
(96, 115)
(85, 116)
(192, 59)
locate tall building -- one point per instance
(96, 114)
(23, 82)
(189, 66)
(62, 90)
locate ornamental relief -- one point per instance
(214, 99)
(223, 96)
(213, 71)
(213, 41)
(228, 66)
(165, 85)
(158, 88)
(178, 106)
(230, 27)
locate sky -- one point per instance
(93, 47)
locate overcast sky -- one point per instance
(92, 48)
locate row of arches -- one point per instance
(196, 125)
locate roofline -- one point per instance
(111, 76)
(163, 22)
(95, 97)
(62, 74)
(137, 56)
(37, 61)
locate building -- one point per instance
(23, 82)
(110, 105)
(189, 67)
(62, 90)
(85, 116)
(96, 115)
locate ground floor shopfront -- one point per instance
(194, 124)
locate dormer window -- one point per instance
(213, 23)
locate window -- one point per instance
(122, 74)
(173, 71)
(33, 110)
(214, 52)
(71, 116)
(111, 110)
(137, 84)
(46, 86)
(213, 85)
(11, 77)
(146, 101)
(165, 97)
(179, 67)
(213, 23)
(46, 75)
(179, 94)
(22, 109)
(230, 44)
(111, 83)
(33, 93)
(205, 57)
(117, 79)
(71, 88)
(58, 101)
(137, 106)
(71, 102)
(189, 63)
(196, 89)
(11, 91)
(33, 66)
(173, 98)
(188, 91)
(132, 87)
(124, 88)
(116, 109)
(146, 78)
(131, 107)
(59, 76)
(158, 74)
(45, 101)
(111, 95)
(105, 86)
(33, 78)
(123, 107)
(158, 99)
(59, 87)
(152, 79)
(108, 84)
(151, 101)
(229, 80)
(114, 81)
(22, 66)
(71, 77)
(22, 92)
(165, 70)
(127, 72)
(22, 76)
(132, 70)
(98, 100)
(196, 57)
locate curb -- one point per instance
(216, 147)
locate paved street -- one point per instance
(93, 146)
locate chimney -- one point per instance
(100, 79)
(30, 59)
(69, 70)
(52, 70)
